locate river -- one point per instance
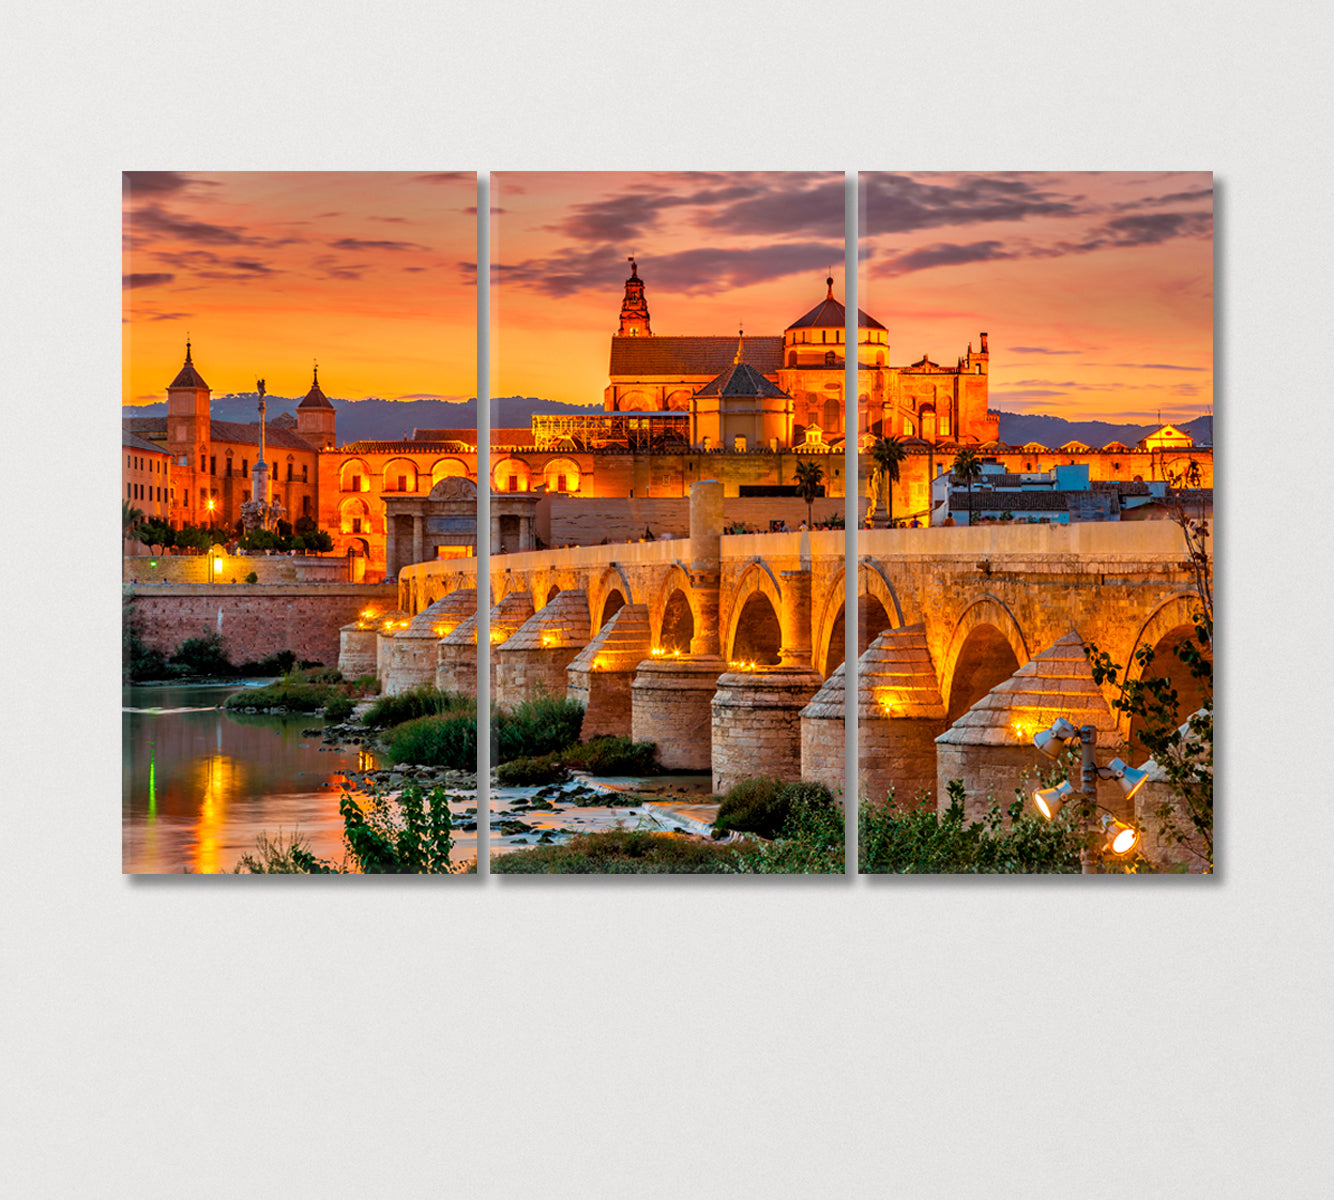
(200, 784)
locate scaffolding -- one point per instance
(639, 431)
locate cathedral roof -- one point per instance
(830, 314)
(640, 357)
(740, 379)
(315, 398)
(248, 434)
(188, 377)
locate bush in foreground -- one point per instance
(423, 701)
(926, 842)
(757, 805)
(810, 841)
(535, 726)
(619, 852)
(448, 741)
(602, 757)
(531, 772)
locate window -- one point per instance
(129, 491)
(212, 464)
(245, 468)
(304, 469)
(305, 506)
(229, 464)
(129, 460)
(289, 470)
(356, 525)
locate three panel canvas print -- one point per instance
(667, 602)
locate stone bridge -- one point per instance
(727, 650)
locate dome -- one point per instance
(830, 314)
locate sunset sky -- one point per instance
(371, 273)
(715, 249)
(1096, 288)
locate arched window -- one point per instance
(830, 358)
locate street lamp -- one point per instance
(1118, 838)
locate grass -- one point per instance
(438, 741)
(603, 756)
(620, 852)
(423, 701)
(754, 806)
(535, 726)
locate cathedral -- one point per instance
(779, 391)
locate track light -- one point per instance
(1051, 741)
(1050, 800)
(1119, 838)
(1130, 778)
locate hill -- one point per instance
(390, 420)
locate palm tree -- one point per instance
(810, 475)
(887, 454)
(130, 520)
(967, 466)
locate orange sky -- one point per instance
(715, 248)
(1096, 288)
(369, 272)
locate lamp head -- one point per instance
(1119, 839)
(1130, 778)
(1050, 800)
(1051, 741)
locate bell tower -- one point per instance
(315, 416)
(634, 308)
(187, 410)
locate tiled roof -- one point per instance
(1056, 683)
(741, 379)
(896, 677)
(145, 426)
(188, 377)
(638, 357)
(830, 314)
(621, 644)
(562, 624)
(234, 431)
(445, 615)
(134, 441)
(466, 433)
(315, 398)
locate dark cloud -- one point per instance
(444, 177)
(1143, 229)
(204, 264)
(143, 279)
(360, 244)
(791, 204)
(172, 316)
(330, 268)
(1171, 198)
(471, 210)
(140, 185)
(941, 254)
(153, 220)
(390, 220)
(705, 271)
(1160, 367)
(1039, 350)
(414, 269)
(902, 204)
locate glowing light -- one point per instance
(1121, 838)
(217, 564)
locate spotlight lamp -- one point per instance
(1130, 778)
(1119, 839)
(1051, 741)
(1050, 800)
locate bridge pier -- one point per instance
(601, 674)
(991, 746)
(536, 655)
(456, 656)
(390, 623)
(824, 734)
(671, 704)
(900, 714)
(356, 650)
(414, 658)
(757, 723)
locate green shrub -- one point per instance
(366, 685)
(610, 755)
(535, 726)
(282, 856)
(753, 806)
(439, 741)
(338, 708)
(618, 852)
(406, 835)
(531, 772)
(203, 656)
(810, 841)
(422, 701)
(252, 578)
(926, 842)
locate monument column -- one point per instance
(391, 546)
(417, 553)
(706, 529)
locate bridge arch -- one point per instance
(610, 583)
(676, 580)
(985, 649)
(1171, 623)
(751, 627)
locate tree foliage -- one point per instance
(810, 481)
(887, 455)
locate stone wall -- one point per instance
(269, 568)
(254, 620)
(586, 521)
(757, 724)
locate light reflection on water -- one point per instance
(200, 784)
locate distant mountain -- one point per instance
(380, 420)
(390, 420)
(1018, 428)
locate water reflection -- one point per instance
(199, 784)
